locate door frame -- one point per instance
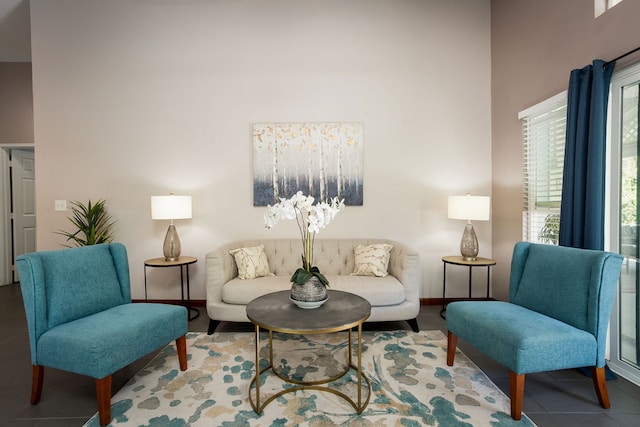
(6, 252)
(619, 79)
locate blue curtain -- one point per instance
(583, 181)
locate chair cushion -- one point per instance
(105, 342)
(521, 339)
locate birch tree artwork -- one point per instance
(323, 160)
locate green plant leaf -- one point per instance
(92, 222)
(302, 276)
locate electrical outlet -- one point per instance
(60, 205)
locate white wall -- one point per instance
(139, 98)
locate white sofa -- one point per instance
(392, 298)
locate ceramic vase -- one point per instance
(311, 291)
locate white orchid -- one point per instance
(311, 219)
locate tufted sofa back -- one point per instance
(331, 256)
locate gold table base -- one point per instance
(310, 385)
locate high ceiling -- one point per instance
(15, 31)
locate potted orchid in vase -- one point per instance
(310, 218)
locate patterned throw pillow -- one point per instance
(372, 260)
(251, 262)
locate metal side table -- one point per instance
(459, 260)
(183, 263)
(343, 311)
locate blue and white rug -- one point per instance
(410, 382)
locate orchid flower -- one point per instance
(311, 219)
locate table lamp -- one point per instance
(469, 208)
(171, 207)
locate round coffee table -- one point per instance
(275, 312)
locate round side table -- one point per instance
(183, 263)
(459, 260)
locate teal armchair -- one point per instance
(560, 300)
(81, 319)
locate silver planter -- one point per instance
(311, 291)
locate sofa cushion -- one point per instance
(372, 260)
(379, 291)
(251, 262)
(238, 291)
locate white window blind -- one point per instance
(543, 132)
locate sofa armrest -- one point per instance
(220, 268)
(404, 265)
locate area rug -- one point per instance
(411, 385)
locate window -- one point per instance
(543, 131)
(601, 6)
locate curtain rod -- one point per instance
(624, 55)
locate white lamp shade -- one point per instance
(471, 208)
(170, 207)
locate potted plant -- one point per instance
(310, 218)
(93, 224)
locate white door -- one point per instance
(23, 200)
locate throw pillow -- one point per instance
(372, 260)
(251, 262)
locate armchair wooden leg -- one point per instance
(452, 342)
(37, 377)
(600, 383)
(181, 345)
(103, 392)
(516, 393)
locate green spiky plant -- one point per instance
(551, 229)
(93, 224)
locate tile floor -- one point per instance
(563, 398)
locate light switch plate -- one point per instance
(60, 205)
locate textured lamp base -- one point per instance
(171, 247)
(469, 243)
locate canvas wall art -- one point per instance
(320, 159)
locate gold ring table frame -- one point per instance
(343, 311)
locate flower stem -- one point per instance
(308, 251)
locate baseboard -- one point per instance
(194, 302)
(438, 301)
(423, 301)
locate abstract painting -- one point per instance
(323, 160)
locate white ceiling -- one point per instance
(15, 31)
